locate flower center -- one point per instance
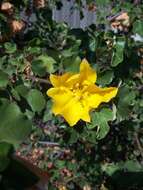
(79, 92)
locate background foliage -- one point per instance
(108, 152)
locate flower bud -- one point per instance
(39, 3)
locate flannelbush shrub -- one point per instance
(102, 150)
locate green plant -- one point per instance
(100, 153)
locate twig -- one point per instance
(136, 2)
(113, 17)
(138, 144)
(71, 178)
(48, 143)
(36, 79)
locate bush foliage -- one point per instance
(106, 153)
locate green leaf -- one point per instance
(107, 114)
(43, 64)
(100, 120)
(133, 166)
(48, 113)
(22, 90)
(102, 3)
(29, 114)
(126, 99)
(60, 164)
(90, 137)
(118, 54)
(110, 169)
(14, 126)
(10, 47)
(3, 79)
(15, 94)
(36, 100)
(72, 51)
(93, 44)
(5, 149)
(33, 50)
(138, 27)
(71, 64)
(105, 78)
(73, 137)
(103, 128)
(129, 165)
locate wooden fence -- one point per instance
(70, 14)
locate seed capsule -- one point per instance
(7, 8)
(16, 26)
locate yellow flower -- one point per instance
(74, 95)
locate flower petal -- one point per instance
(60, 80)
(61, 96)
(98, 95)
(87, 74)
(73, 80)
(65, 104)
(74, 111)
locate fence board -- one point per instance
(70, 14)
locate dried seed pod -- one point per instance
(115, 24)
(122, 16)
(92, 7)
(141, 61)
(86, 187)
(27, 71)
(16, 26)
(50, 165)
(7, 8)
(39, 3)
(140, 52)
(120, 23)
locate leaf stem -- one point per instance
(138, 144)
(37, 79)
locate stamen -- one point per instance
(77, 85)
